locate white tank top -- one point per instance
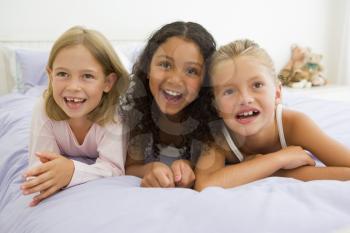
(280, 134)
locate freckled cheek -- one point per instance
(155, 78)
(57, 91)
(225, 107)
(193, 88)
(156, 75)
(218, 104)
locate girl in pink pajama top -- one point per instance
(78, 116)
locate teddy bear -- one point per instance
(304, 69)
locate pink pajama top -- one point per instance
(104, 144)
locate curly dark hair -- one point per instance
(143, 101)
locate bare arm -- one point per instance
(307, 173)
(153, 174)
(135, 165)
(304, 132)
(211, 169)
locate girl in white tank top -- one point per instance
(247, 96)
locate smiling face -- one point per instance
(245, 95)
(176, 74)
(78, 81)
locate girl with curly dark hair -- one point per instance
(166, 105)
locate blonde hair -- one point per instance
(240, 48)
(103, 52)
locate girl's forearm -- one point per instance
(137, 169)
(307, 173)
(241, 173)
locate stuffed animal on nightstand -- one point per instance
(304, 69)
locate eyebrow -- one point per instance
(229, 84)
(85, 70)
(172, 59)
(222, 86)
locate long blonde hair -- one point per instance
(103, 52)
(241, 48)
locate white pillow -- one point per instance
(21, 69)
(7, 69)
(31, 68)
(124, 59)
(128, 53)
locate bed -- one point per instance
(119, 204)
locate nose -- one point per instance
(174, 77)
(246, 98)
(74, 84)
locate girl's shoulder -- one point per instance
(294, 123)
(293, 117)
(113, 129)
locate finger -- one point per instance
(177, 171)
(144, 183)
(47, 155)
(167, 179)
(33, 203)
(185, 179)
(171, 179)
(27, 186)
(39, 188)
(149, 181)
(44, 194)
(154, 182)
(188, 177)
(43, 160)
(312, 162)
(37, 171)
(162, 179)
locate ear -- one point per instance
(278, 93)
(110, 81)
(49, 72)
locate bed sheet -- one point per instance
(118, 204)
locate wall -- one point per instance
(275, 24)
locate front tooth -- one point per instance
(246, 114)
(173, 93)
(78, 100)
(251, 113)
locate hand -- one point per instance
(55, 173)
(183, 173)
(295, 156)
(158, 175)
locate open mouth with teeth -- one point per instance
(172, 96)
(247, 116)
(74, 102)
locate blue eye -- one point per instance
(62, 74)
(228, 92)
